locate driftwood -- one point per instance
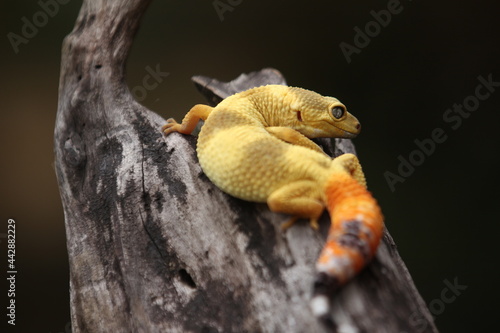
(154, 246)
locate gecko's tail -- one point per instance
(355, 232)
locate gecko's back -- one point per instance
(242, 158)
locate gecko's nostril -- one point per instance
(358, 126)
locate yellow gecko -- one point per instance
(255, 145)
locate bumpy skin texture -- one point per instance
(255, 146)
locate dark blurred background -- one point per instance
(399, 83)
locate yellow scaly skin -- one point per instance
(242, 147)
(255, 146)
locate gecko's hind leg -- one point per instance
(301, 199)
(350, 164)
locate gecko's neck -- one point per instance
(272, 107)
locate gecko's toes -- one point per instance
(314, 224)
(289, 223)
(170, 126)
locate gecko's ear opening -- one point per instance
(299, 116)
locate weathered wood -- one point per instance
(154, 246)
(215, 91)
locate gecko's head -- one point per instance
(319, 116)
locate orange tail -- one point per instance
(355, 232)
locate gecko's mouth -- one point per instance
(329, 130)
(347, 134)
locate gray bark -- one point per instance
(154, 246)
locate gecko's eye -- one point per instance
(338, 112)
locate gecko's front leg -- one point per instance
(294, 137)
(191, 119)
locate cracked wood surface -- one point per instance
(154, 246)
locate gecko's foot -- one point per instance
(289, 223)
(313, 223)
(170, 126)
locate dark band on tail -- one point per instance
(356, 230)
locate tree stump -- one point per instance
(154, 246)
